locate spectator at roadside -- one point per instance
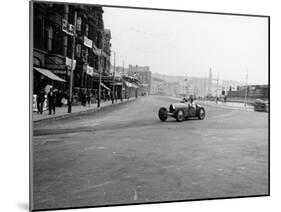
(51, 101)
(59, 98)
(112, 96)
(88, 98)
(41, 100)
(83, 98)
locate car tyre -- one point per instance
(163, 114)
(201, 114)
(180, 115)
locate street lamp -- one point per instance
(113, 85)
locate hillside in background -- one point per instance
(186, 85)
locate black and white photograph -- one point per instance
(135, 105)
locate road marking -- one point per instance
(94, 186)
(167, 167)
(135, 195)
(227, 106)
(94, 147)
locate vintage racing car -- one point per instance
(182, 111)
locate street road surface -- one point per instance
(124, 154)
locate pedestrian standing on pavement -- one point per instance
(120, 96)
(95, 96)
(37, 102)
(83, 98)
(88, 97)
(115, 96)
(112, 96)
(51, 101)
(59, 98)
(41, 100)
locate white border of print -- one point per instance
(14, 105)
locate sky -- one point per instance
(189, 44)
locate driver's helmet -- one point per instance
(191, 98)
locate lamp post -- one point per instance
(100, 74)
(113, 86)
(246, 89)
(72, 64)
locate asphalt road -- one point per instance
(124, 154)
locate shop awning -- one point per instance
(117, 83)
(103, 85)
(49, 74)
(130, 85)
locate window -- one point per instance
(49, 38)
(38, 33)
(79, 24)
(78, 50)
(87, 29)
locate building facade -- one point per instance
(54, 46)
(250, 91)
(143, 74)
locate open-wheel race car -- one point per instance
(182, 111)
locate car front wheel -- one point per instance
(201, 113)
(180, 115)
(163, 114)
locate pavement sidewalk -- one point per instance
(235, 105)
(61, 112)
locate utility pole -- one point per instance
(123, 68)
(100, 74)
(246, 90)
(113, 87)
(217, 86)
(217, 98)
(209, 92)
(72, 64)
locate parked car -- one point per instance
(261, 105)
(182, 111)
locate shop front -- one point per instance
(43, 80)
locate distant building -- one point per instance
(209, 92)
(253, 91)
(119, 71)
(143, 74)
(106, 50)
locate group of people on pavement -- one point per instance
(56, 98)
(224, 99)
(85, 98)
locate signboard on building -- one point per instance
(88, 42)
(59, 71)
(67, 28)
(90, 70)
(68, 63)
(97, 51)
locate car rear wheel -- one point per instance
(180, 115)
(163, 114)
(201, 113)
